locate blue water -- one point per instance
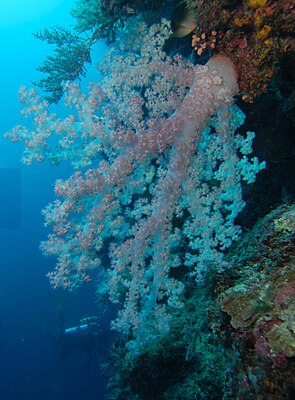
(29, 368)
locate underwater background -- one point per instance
(29, 367)
(222, 317)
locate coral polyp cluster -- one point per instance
(254, 34)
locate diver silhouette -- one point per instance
(84, 336)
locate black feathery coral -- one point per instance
(67, 62)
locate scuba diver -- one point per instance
(84, 336)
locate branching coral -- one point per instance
(67, 63)
(163, 184)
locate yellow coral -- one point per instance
(239, 22)
(257, 3)
(258, 20)
(262, 56)
(264, 32)
(268, 74)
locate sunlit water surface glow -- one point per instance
(14, 12)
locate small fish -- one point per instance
(183, 22)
